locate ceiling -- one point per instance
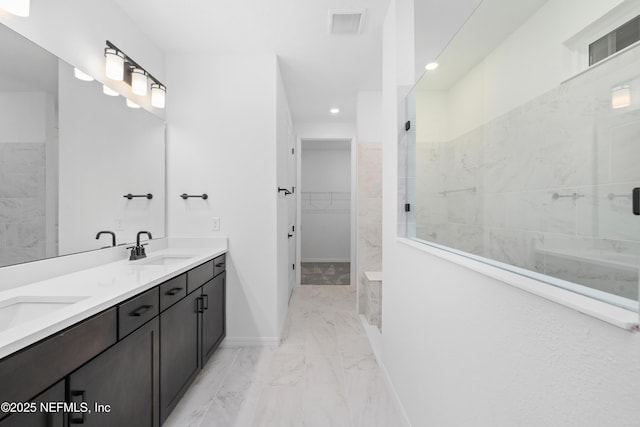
(320, 70)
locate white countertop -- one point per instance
(99, 287)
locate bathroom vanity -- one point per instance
(131, 337)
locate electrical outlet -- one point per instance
(215, 224)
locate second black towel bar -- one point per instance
(185, 196)
(131, 196)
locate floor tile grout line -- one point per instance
(215, 394)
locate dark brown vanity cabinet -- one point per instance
(213, 315)
(120, 386)
(38, 418)
(179, 351)
(126, 366)
(191, 330)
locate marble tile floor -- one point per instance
(325, 273)
(323, 374)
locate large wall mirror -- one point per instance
(69, 154)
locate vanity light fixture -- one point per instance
(82, 76)
(139, 81)
(114, 64)
(334, 110)
(121, 67)
(108, 91)
(132, 104)
(620, 96)
(16, 7)
(158, 93)
(431, 66)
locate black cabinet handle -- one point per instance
(173, 291)
(636, 201)
(199, 305)
(220, 264)
(73, 418)
(140, 311)
(206, 302)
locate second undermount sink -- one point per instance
(164, 260)
(17, 310)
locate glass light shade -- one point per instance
(108, 91)
(132, 104)
(16, 7)
(139, 82)
(82, 76)
(114, 64)
(620, 96)
(158, 95)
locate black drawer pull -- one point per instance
(173, 291)
(220, 264)
(206, 301)
(140, 310)
(73, 418)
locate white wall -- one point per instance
(325, 130)
(464, 349)
(326, 206)
(221, 140)
(368, 116)
(76, 32)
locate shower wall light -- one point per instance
(16, 7)
(121, 67)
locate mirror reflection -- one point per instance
(68, 156)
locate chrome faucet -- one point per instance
(113, 236)
(137, 251)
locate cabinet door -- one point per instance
(213, 315)
(125, 377)
(178, 351)
(40, 419)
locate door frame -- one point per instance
(353, 153)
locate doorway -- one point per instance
(326, 212)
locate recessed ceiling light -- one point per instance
(334, 110)
(431, 66)
(82, 76)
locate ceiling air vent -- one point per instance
(350, 22)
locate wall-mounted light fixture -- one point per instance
(16, 7)
(620, 96)
(121, 67)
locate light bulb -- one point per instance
(16, 7)
(334, 110)
(158, 95)
(132, 104)
(114, 64)
(82, 76)
(139, 81)
(108, 91)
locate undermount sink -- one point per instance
(20, 309)
(164, 260)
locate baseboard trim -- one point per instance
(250, 342)
(375, 339)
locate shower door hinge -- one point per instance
(407, 125)
(407, 207)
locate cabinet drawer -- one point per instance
(29, 371)
(218, 265)
(137, 311)
(173, 291)
(199, 276)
